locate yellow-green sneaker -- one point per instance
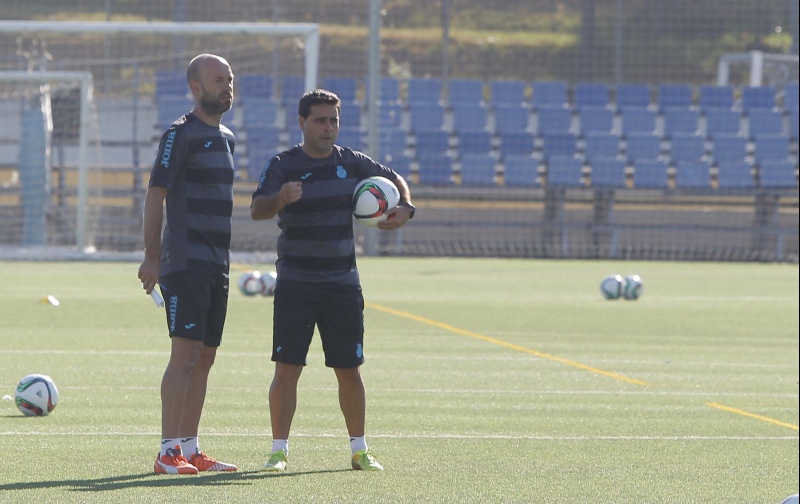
(277, 461)
(365, 461)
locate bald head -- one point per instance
(211, 81)
(200, 62)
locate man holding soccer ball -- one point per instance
(310, 187)
(193, 173)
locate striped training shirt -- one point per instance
(316, 242)
(195, 165)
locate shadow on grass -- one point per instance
(151, 480)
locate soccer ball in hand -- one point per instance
(633, 287)
(372, 198)
(612, 286)
(251, 283)
(36, 395)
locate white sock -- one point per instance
(168, 444)
(280, 444)
(358, 444)
(190, 446)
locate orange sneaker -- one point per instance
(173, 463)
(205, 463)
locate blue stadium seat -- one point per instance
(794, 123)
(171, 82)
(507, 92)
(352, 138)
(674, 96)
(469, 117)
(350, 115)
(683, 120)
(549, 94)
(292, 88)
(771, 148)
(559, 144)
(390, 115)
(519, 171)
(401, 163)
(790, 97)
(716, 97)
(553, 120)
(346, 88)
(777, 175)
(259, 112)
(171, 107)
(686, 148)
(692, 175)
(254, 85)
(392, 141)
(650, 174)
(728, 148)
(390, 90)
(632, 95)
(764, 122)
(262, 143)
(426, 117)
(600, 145)
(565, 171)
(432, 142)
(595, 120)
(516, 143)
(295, 135)
(474, 142)
(638, 121)
(590, 94)
(608, 172)
(643, 146)
(478, 170)
(435, 169)
(723, 122)
(735, 175)
(424, 90)
(465, 91)
(758, 97)
(509, 118)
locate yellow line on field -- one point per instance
(505, 344)
(751, 415)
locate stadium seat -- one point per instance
(426, 117)
(478, 170)
(692, 175)
(728, 148)
(600, 145)
(643, 146)
(632, 95)
(607, 172)
(777, 175)
(716, 97)
(650, 174)
(295, 135)
(254, 85)
(435, 169)
(565, 171)
(516, 143)
(790, 98)
(401, 163)
(794, 123)
(292, 88)
(465, 91)
(723, 122)
(390, 90)
(758, 97)
(350, 115)
(553, 120)
(393, 141)
(638, 121)
(390, 115)
(595, 120)
(511, 118)
(259, 112)
(735, 175)
(549, 94)
(352, 138)
(171, 107)
(559, 144)
(170, 82)
(519, 171)
(262, 143)
(346, 88)
(507, 92)
(431, 142)
(469, 117)
(474, 142)
(590, 94)
(686, 148)
(674, 96)
(423, 90)
(771, 148)
(683, 120)
(764, 122)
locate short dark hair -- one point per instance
(316, 97)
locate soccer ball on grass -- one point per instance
(612, 286)
(36, 395)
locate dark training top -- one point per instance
(195, 165)
(316, 242)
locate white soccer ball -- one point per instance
(633, 287)
(372, 198)
(269, 280)
(792, 499)
(251, 283)
(36, 395)
(612, 286)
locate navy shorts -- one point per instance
(196, 304)
(336, 310)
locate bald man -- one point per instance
(190, 258)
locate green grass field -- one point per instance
(489, 381)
